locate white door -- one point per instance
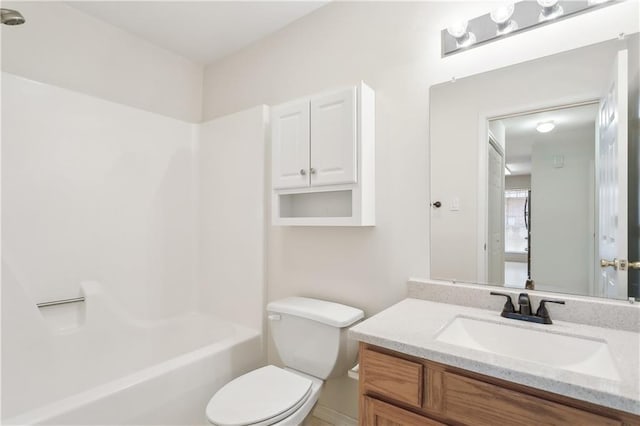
(290, 145)
(495, 216)
(333, 138)
(612, 182)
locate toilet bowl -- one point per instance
(267, 396)
(310, 336)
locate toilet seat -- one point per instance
(259, 398)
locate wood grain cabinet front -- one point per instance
(378, 413)
(398, 389)
(391, 377)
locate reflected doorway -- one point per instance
(542, 198)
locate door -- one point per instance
(333, 138)
(495, 215)
(290, 145)
(611, 163)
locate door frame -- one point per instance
(482, 184)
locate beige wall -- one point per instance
(562, 211)
(395, 48)
(64, 47)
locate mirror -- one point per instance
(534, 174)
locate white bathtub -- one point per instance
(114, 369)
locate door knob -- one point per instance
(437, 204)
(303, 172)
(312, 171)
(606, 263)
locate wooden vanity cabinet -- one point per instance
(397, 389)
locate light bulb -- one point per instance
(545, 126)
(547, 3)
(502, 14)
(458, 29)
(502, 17)
(550, 10)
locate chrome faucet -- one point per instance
(524, 309)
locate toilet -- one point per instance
(310, 336)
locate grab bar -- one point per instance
(60, 302)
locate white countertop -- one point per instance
(411, 326)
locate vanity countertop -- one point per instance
(412, 325)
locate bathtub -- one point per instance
(98, 365)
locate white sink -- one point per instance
(565, 351)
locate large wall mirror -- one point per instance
(534, 174)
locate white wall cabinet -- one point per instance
(323, 154)
(334, 135)
(290, 145)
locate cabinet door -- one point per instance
(378, 413)
(472, 402)
(290, 145)
(334, 138)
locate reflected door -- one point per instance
(495, 215)
(612, 183)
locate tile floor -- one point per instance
(314, 421)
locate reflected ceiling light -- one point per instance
(550, 10)
(545, 126)
(596, 2)
(502, 18)
(458, 30)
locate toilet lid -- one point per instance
(262, 396)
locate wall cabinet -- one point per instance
(396, 389)
(323, 154)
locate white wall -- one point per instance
(395, 48)
(62, 46)
(562, 206)
(517, 182)
(232, 216)
(93, 190)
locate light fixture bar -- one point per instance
(513, 18)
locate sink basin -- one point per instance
(579, 354)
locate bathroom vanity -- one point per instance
(418, 367)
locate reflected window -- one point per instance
(516, 220)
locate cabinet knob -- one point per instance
(312, 171)
(303, 172)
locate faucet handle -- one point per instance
(542, 311)
(508, 306)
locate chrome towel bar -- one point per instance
(60, 302)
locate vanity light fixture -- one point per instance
(458, 30)
(502, 18)
(510, 18)
(550, 10)
(545, 126)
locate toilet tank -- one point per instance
(310, 335)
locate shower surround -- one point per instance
(134, 206)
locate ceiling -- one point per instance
(521, 133)
(202, 31)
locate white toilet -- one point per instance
(311, 338)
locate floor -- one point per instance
(314, 421)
